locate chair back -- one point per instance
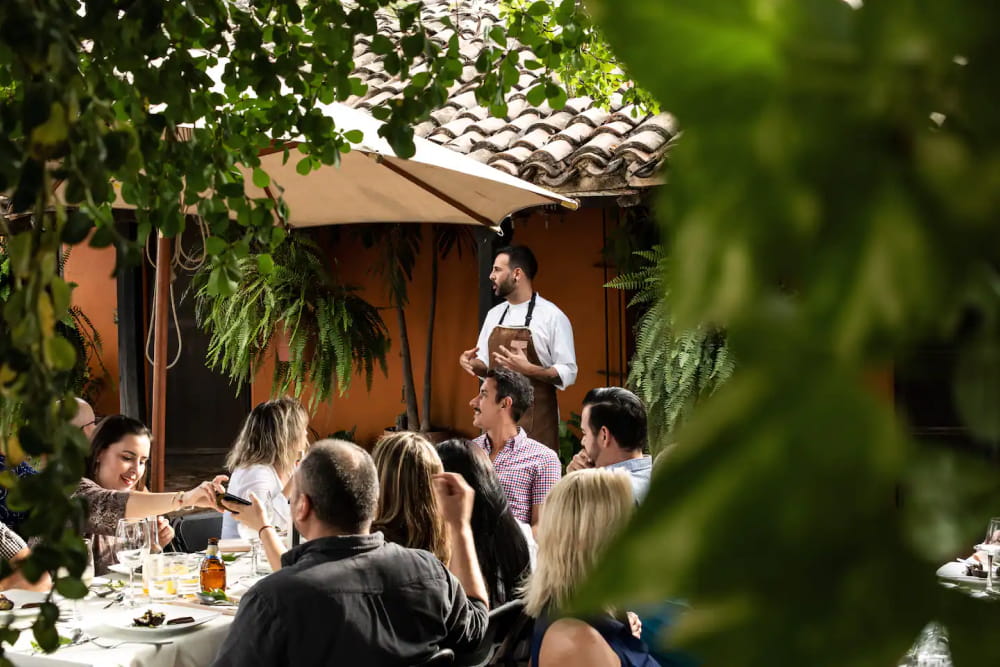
(506, 625)
(193, 530)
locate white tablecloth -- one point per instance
(195, 647)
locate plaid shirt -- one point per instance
(10, 543)
(527, 470)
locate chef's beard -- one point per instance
(505, 288)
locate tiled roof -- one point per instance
(580, 149)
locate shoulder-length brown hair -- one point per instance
(407, 507)
(272, 435)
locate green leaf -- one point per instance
(498, 35)
(536, 95)
(278, 235)
(71, 587)
(354, 136)
(215, 246)
(78, 225)
(556, 96)
(539, 8)
(59, 353)
(303, 166)
(260, 178)
(265, 264)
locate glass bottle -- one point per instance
(213, 570)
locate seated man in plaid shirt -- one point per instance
(527, 469)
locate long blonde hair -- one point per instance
(407, 507)
(581, 514)
(272, 435)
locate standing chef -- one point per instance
(527, 334)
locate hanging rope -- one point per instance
(185, 261)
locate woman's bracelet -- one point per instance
(263, 528)
(179, 499)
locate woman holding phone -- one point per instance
(273, 438)
(114, 483)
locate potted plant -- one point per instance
(329, 331)
(398, 246)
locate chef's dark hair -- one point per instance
(514, 385)
(520, 257)
(621, 412)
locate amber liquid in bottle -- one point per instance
(213, 570)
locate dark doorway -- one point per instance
(204, 411)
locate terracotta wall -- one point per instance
(96, 294)
(568, 247)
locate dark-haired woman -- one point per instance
(114, 482)
(501, 541)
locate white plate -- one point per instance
(123, 619)
(118, 568)
(19, 598)
(955, 571)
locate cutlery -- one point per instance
(207, 599)
(110, 643)
(117, 598)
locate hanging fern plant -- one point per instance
(332, 333)
(671, 370)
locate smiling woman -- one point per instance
(114, 487)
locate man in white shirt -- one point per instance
(529, 335)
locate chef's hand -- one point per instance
(580, 461)
(467, 361)
(515, 360)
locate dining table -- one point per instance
(98, 630)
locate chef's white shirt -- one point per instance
(551, 333)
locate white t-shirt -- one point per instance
(264, 481)
(551, 333)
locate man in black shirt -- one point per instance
(348, 597)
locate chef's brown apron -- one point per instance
(541, 421)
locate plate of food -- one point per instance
(158, 619)
(969, 571)
(18, 604)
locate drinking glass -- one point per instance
(991, 545)
(253, 537)
(132, 544)
(87, 577)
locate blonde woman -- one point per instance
(262, 460)
(581, 515)
(407, 507)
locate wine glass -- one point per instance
(132, 545)
(991, 545)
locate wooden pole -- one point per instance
(160, 308)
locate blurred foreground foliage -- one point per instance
(832, 203)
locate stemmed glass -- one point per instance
(132, 545)
(991, 545)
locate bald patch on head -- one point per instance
(84, 414)
(340, 480)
